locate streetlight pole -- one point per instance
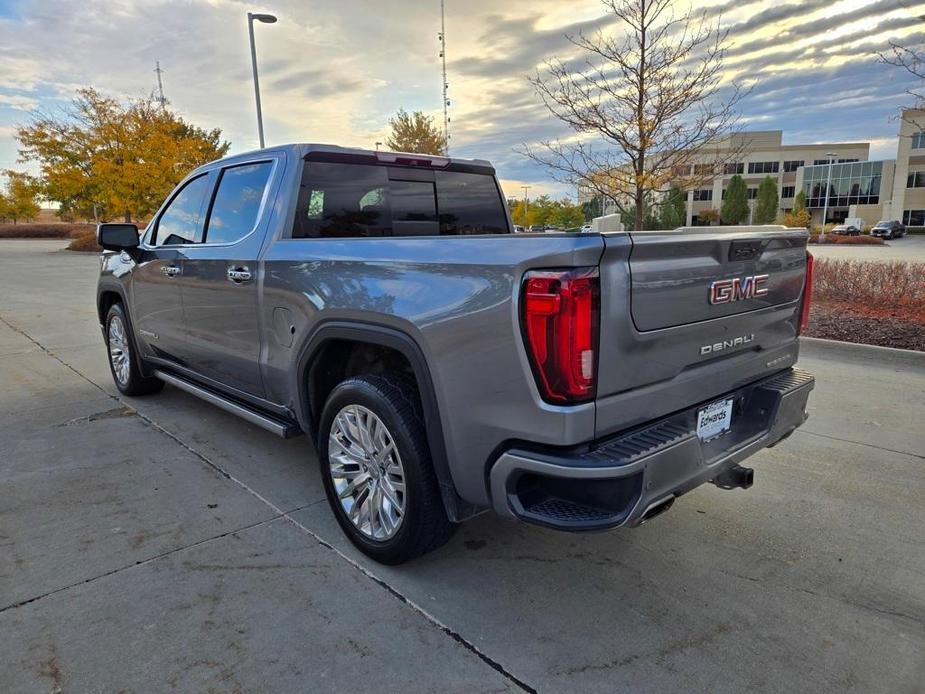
(266, 19)
(378, 144)
(828, 181)
(526, 202)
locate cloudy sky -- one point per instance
(335, 70)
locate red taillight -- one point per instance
(560, 324)
(807, 292)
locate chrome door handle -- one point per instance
(170, 270)
(239, 274)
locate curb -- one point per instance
(817, 346)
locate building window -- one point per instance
(914, 218)
(918, 140)
(734, 168)
(760, 167)
(752, 193)
(703, 169)
(702, 195)
(787, 191)
(915, 179)
(847, 161)
(678, 171)
(820, 162)
(793, 164)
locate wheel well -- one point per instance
(106, 301)
(337, 360)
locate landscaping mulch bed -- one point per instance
(885, 328)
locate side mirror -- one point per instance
(117, 237)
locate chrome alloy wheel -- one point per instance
(118, 350)
(367, 472)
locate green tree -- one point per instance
(799, 202)
(19, 203)
(567, 215)
(672, 212)
(592, 208)
(102, 157)
(768, 203)
(735, 206)
(415, 132)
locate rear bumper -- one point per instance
(623, 480)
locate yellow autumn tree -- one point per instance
(104, 158)
(19, 201)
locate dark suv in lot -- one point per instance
(888, 229)
(441, 365)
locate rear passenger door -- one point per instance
(220, 279)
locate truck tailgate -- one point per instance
(689, 314)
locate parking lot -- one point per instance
(158, 543)
(910, 248)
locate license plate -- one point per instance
(714, 419)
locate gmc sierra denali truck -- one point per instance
(441, 365)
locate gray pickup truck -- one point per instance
(442, 365)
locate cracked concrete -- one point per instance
(156, 543)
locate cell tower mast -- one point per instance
(446, 101)
(160, 86)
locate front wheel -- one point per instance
(123, 358)
(377, 471)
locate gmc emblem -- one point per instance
(726, 291)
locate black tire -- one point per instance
(133, 383)
(424, 526)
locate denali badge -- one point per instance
(725, 291)
(727, 344)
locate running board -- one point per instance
(277, 426)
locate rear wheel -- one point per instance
(123, 359)
(377, 471)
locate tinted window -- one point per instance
(237, 202)
(469, 204)
(414, 208)
(181, 222)
(340, 200)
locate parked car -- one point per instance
(888, 229)
(440, 367)
(537, 228)
(518, 229)
(587, 229)
(846, 230)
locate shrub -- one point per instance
(832, 239)
(84, 242)
(43, 231)
(870, 283)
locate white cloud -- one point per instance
(335, 70)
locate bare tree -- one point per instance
(647, 106)
(912, 60)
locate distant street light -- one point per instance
(378, 145)
(266, 19)
(828, 181)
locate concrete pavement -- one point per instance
(156, 543)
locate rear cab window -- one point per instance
(237, 202)
(347, 200)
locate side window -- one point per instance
(181, 222)
(414, 208)
(469, 203)
(237, 202)
(343, 200)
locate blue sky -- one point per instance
(335, 70)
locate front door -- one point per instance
(220, 282)
(157, 309)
